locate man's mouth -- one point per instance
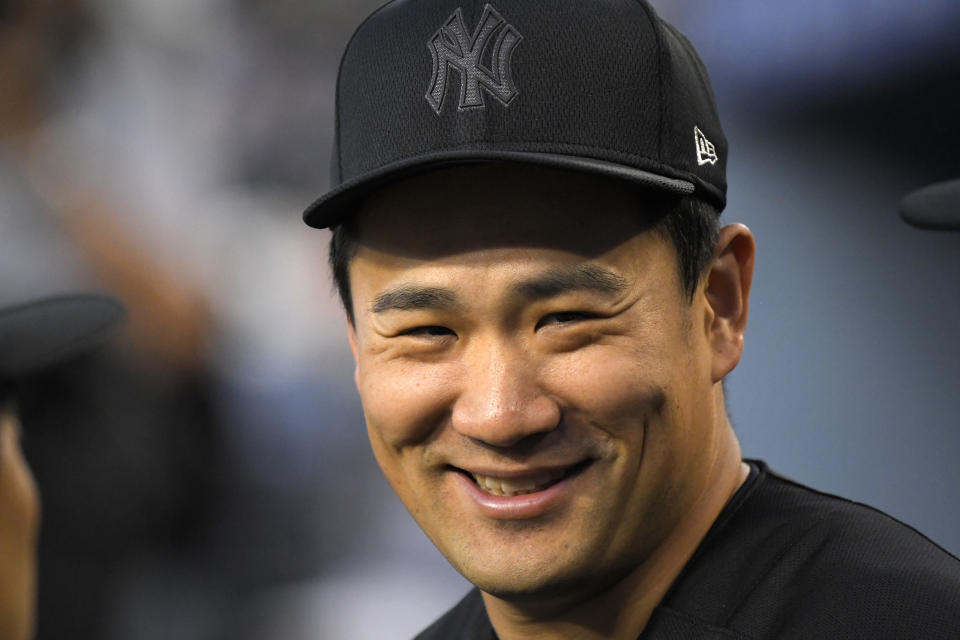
(522, 484)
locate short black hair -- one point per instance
(690, 223)
(693, 226)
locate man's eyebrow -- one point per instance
(412, 298)
(582, 277)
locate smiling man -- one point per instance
(538, 386)
(543, 306)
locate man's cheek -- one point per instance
(607, 386)
(404, 408)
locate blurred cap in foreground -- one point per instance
(936, 206)
(38, 333)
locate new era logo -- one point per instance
(706, 152)
(481, 58)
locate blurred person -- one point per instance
(192, 490)
(543, 307)
(123, 442)
(34, 334)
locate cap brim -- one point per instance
(934, 207)
(44, 332)
(336, 205)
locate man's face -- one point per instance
(19, 520)
(537, 387)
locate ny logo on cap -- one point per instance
(453, 47)
(706, 152)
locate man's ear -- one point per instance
(352, 339)
(727, 292)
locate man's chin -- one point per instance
(539, 588)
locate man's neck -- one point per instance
(622, 611)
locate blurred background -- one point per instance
(208, 476)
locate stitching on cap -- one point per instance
(514, 145)
(552, 147)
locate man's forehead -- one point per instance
(470, 207)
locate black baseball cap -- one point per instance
(936, 206)
(37, 333)
(602, 86)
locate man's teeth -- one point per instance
(518, 486)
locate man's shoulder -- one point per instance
(792, 557)
(467, 620)
(822, 527)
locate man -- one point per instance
(543, 307)
(35, 333)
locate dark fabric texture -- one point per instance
(603, 80)
(785, 561)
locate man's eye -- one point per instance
(562, 318)
(429, 331)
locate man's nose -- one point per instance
(501, 401)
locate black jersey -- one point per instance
(785, 561)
